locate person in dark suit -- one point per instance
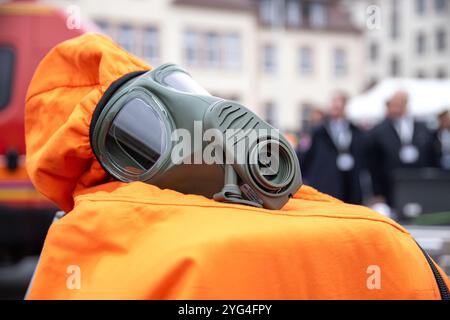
(441, 142)
(333, 162)
(397, 142)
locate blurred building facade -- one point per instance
(278, 57)
(411, 38)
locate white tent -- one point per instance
(426, 98)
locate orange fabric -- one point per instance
(136, 241)
(61, 98)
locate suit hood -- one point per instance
(62, 96)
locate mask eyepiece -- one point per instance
(136, 138)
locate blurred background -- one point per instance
(360, 87)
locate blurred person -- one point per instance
(333, 162)
(316, 117)
(441, 142)
(133, 240)
(397, 142)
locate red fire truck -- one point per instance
(28, 30)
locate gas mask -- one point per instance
(161, 127)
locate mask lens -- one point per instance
(137, 137)
(181, 81)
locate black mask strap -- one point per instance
(105, 98)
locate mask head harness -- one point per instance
(146, 126)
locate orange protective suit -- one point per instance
(136, 241)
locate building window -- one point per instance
(269, 58)
(232, 51)
(395, 19)
(191, 45)
(151, 45)
(125, 38)
(271, 12)
(265, 11)
(421, 74)
(270, 114)
(7, 57)
(374, 51)
(318, 15)
(442, 74)
(293, 13)
(340, 62)
(395, 67)
(440, 5)
(306, 61)
(441, 40)
(421, 44)
(212, 49)
(421, 7)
